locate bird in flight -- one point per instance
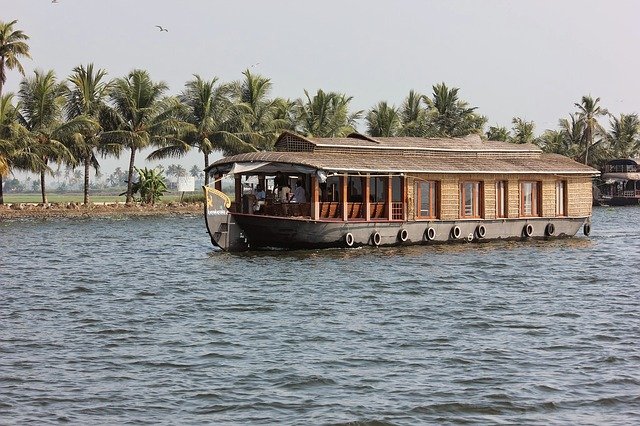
(162, 29)
(54, 1)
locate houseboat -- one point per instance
(621, 183)
(383, 191)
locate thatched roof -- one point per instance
(364, 154)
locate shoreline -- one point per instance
(78, 210)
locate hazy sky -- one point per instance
(529, 58)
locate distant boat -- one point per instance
(385, 191)
(621, 183)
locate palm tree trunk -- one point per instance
(1, 193)
(589, 138)
(206, 165)
(42, 188)
(87, 169)
(132, 161)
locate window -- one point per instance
(331, 189)
(530, 198)
(501, 198)
(355, 184)
(471, 199)
(378, 189)
(427, 199)
(561, 198)
(396, 189)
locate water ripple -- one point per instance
(139, 321)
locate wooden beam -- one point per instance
(314, 199)
(389, 197)
(344, 196)
(367, 197)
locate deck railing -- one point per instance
(631, 194)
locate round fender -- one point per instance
(348, 239)
(376, 238)
(403, 235)
(456, 232)
(481, 231)
(550, 230)
(586, 229)
(528, 230)
(430, 234)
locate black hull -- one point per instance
(297, 233)
(622, 201)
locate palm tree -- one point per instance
(139, 117)
(257, 115)
(552, 141)
(449, 116)
(326, 115)
(41, 103)
(8, 121)
(588, 113)
(497, 133)
(212, 118)
(383, 120)
(85, 99)
(195, 171)
(624, 137)
(413, 115)
(572, 130)
(16, 146)
(522, 131)
(567, 140)
(12, 46)
(284, 114)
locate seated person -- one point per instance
(299, 196)
(261, 195)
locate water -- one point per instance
(106, 321)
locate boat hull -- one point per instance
(623, 201)
(297, 233)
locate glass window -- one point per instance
(501, 198)
(378, 189)
(470, 199)
(396, 189)
(561, 198)
(530, 198)
(331, 189)
(427, 199)
(355, 184)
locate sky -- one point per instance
(532, 59)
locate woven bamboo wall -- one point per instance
(578, 192)
(548, 196)
(411, 203)
(580, 196)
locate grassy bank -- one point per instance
(96, 199)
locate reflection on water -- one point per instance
(113, 321)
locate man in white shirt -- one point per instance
(299, 196)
